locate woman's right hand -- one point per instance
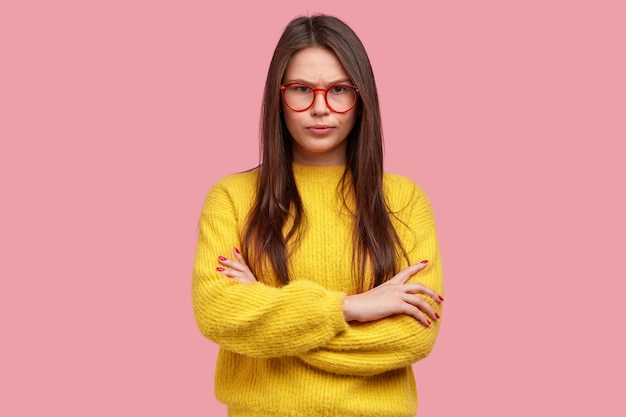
(236, 269)
(393, 297)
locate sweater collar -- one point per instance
(319, 174)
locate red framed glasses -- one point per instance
(340, 98)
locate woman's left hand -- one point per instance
(236, 268)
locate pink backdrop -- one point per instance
(117, 116)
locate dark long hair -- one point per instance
(277, 199)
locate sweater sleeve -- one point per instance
(396, 341)
(252, 318)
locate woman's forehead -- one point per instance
(315, 66)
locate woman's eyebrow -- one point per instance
(312, 84)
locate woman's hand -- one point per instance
(393, 297)
(237, 268)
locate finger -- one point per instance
(239, 276)
(417, 314)
(231, 273)
(402, 276)
(225, 271)
(416, 288)
(239, 256)
(422, 305)
(233, 264)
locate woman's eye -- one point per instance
(299, 88)
(338, 89)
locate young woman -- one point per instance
(317, 274)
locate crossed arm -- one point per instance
(388, 327)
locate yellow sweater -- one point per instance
(288, 351)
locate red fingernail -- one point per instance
(237, 250)
(441, 298)
(428, 322)
(222, 258)
(220, 269)
(425, 261)
(437, 315)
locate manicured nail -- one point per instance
(237, 250)
(428, 322)
(222, 258)
(425, 261)
(437, 315)
(220, 269)
(440, 298)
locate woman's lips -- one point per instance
(320, 129)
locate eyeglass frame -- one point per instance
(283, 87)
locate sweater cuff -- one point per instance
(335, 312)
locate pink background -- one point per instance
(117, 116)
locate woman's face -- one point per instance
(319, 134)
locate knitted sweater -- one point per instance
(287, 351)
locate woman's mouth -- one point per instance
(320, 129)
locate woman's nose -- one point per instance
(319, 103)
